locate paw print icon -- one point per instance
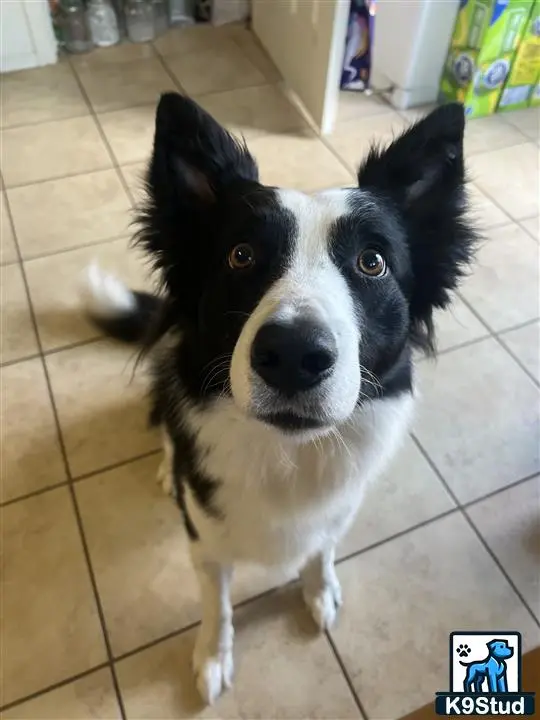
(463, 651)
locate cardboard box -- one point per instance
(486, 36)
(519, 90)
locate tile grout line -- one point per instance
(496, 560)
(82, 478)
(93, 582)
(54, 351)
(351, 170)
(524, 324)
(472, 181)
(69, 483)
(36, 123)
(22, 359)
(99, 338)
(536, 237)
(345, 673)
(344, 558)
(116, 465)
(490, 197)
(463, 511)
(130, 653)
(494, 493)
(32, 494)
(396, 536)
(168, 71)
(495, 335)
(54, 686)
(82, 246)
(489, 335)
(94, 115)
(513, 355)
(191, 626)
(54, 178)
(186, 628)
(198, 97)
(459, 346)
(516, 127)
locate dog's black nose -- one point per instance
(293, 357)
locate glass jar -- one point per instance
(102, 23)
(161, 16)
(182, 12)
(139, 20)
(75, 30)
(118, 6)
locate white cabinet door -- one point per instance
(26, 35)
(306, 41)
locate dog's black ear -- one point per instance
(194, 157)
(422, 174)
(195, 163)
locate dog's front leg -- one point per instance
(321, 588)
(213, 656)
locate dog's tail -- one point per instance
(124, 314)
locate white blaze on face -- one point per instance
(311, 286)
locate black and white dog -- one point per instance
(282, 342)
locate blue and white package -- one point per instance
(357, 61)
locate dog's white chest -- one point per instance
(281, 502)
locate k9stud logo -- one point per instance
(485, 676)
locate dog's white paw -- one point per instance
(165, 477)
(213, 674)
(324, 604)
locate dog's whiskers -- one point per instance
(213, 374)
(370, 378)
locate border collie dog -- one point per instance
(282, 343)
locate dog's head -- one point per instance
(500, 649)
(302, 306)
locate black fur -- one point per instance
(186, 470)
(204, 197)
(421, 178)
(134, 326)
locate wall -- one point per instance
(26, 35)
(410, 47)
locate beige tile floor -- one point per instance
(98, 598)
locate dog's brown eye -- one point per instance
(371, 262)
(241, 257)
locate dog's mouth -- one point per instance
(291, 422)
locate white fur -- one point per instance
(285, 501)
(284, 504)
(312, 287)
(212, 657)
(165, 476)
(321, 588)
(104, 295)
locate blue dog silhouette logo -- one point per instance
(485, 676)
(491, 669)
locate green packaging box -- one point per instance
(535, 97)
(519, 90)
(486, 36)
(471, 23)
